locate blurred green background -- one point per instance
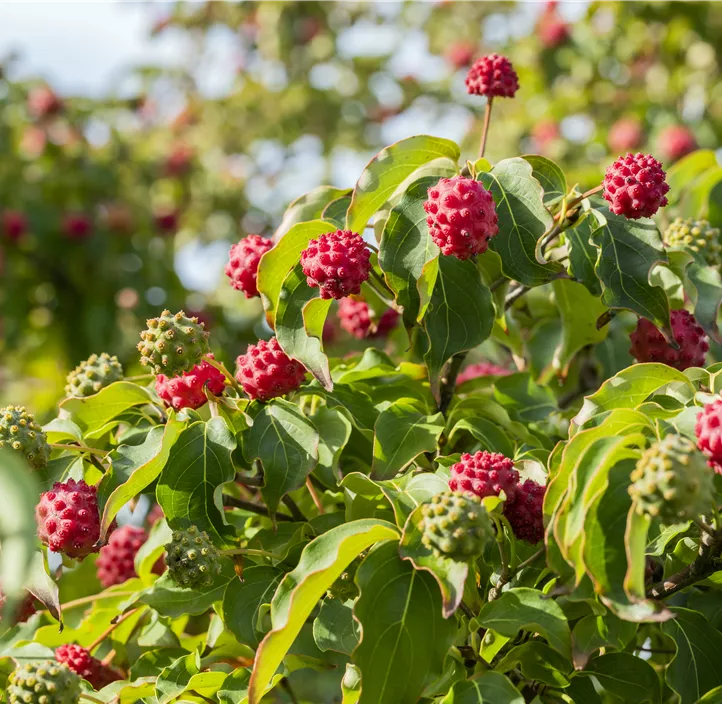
(118, 201)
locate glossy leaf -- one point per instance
(309, 206)
(583, 255)
(490, 688)
(399, 608)
(626, 676)
(538, 662)
(174, 680)
(550, 176)
(322, 562)
(390, 168)
(286, 444)
(334, 628)
(334, 429)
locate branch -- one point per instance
(448, 382)
(253, 508)
(292, 506)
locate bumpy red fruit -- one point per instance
(77, 226)
(14, 225)
(82, 663)
(116, 562)
(265, 371)
(485, 474)
(187, 390)
(43, 102)
(634, 186)
(552, 30)
(649, 345)
(355, 319)
(625, 134)
(68, 519)
(676, 141)
(474, 371)
(336, 263)
(460, 54)
(708, 429)
(461, 215)
(242, 267)
(166, 221)
(525, 514)
(492, 76)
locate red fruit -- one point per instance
(355, 319)
(43, 102)
(460, 54)
(14, 224)
(242, 267)
(625, 135)
(77, 226)
(68, 519)
(336, 263)
(553, 30)
(485, 474)
(544, 133)
(649, 345)
(635, 187)
(676, 141)
(525, 514)
(179, 161)
(461, 215)
(186, 391)
(115, 563)
(708, 429)
(82, 663)
(265, 371)
(474, 371)
(492, 76)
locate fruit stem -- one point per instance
(103, 636)
(485, 128)
(381, 281)
(78, 448)
(221, 368)
(109, 657)
(372, 247)
(576, 201)
(314, 496)
(94, 597)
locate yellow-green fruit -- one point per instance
(173, 343)
(672, 481)
(697, 236)
(93, 374)
(192, 559)
(44, 682)
(20, 432)
(455, 525)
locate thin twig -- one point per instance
(289, 690)
(78, 448)
(448, 381)
(251, 552)
(315, 496)
(529, 560)
(704, 527)
(576, 201)
(94, 597)
(485, 128)
(103, 636)
(109, 657)
(292, 506)
(249, 481)
(253, 508)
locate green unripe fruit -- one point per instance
(192, 559)
(697, 236)
(344, 588)
(44, 682)
(672, 481)
(93, 374)
(173, 344)
(455, 525)
(20, 432)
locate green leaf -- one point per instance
(174, 680)
(235, 687)
(523, 398)
(309, 206)
(537, 661)
(286, 443)
(493, 438)
(322, 562)
(242, 602)
(19, 493)
(550, 176)
(299, 341)
(390, 168)
(579, 311)
(583, 255)
(277, 262)
(133, 468)
(630, 249)
(402, 433)
(687, 170)
(334, 628)
(449, 574)
(594, 631)
(694, 670)
(530, 610)
(489, 688)
(706, 296)
(336, 210)
(460, 314)
(628, 389)
(523, 219)
(93, 413)
(189, 487)
(406, 247)
(626, 676)
(399, 609)
(334, 428)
